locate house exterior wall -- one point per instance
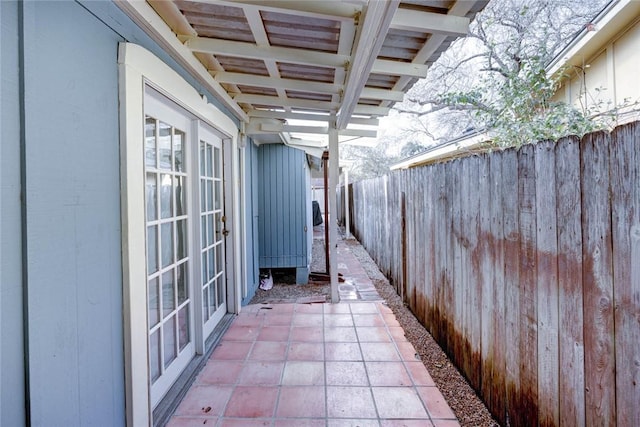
(61, 217)
(607, 80)
(12, 391)
(282, 201)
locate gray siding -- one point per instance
(282, 207)
(76, 373)
(12, 404)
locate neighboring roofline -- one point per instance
(616, 15)
(467, 142)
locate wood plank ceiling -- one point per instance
(333, 61)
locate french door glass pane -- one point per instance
(152, 196)
(154, 355)
(164, 146)
(167, 243)
(183, 327)
(182, 283)
(152, 249)
(169, 335)
(154, 302)
(168, 294)
(218, 166)
(166, 196)
(181, 193)
(178, 143)
(150, 142)
(221, 291)
(181, 239)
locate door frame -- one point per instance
(139, 68)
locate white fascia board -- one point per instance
(285, 115)
(288, 102)
(382, 94)
(396, 68)
(609, 22)
(326, 9)
(370, 36)
(441, 151)
(276, 82)
(147, 19)
(273, 53)
(430, 22)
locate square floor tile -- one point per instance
(373, 334)
(340, 335)
(274, 333)
(398, 402)
(435, 403)
(301, 402)
(248, 319)
(261, 373)
(303, 373)
(307, 334)
(243, 422)
(305, 351)
(390, 374)
(350, 402)
(309, 308)
(279, 319)
(345, 351)
(397, 333)
(241, 333)
(337, 308)
(204, 400)
(220, 372)
(337, 320)
(379, 351)
(368, 320)
(230, 350)
(446, 423)
(405, 423)
(181, 421)
(390, 320)
(346, 373)
(304, 319)
(299, 423)
(407, 351)
(353, 423)
(268, 350)
(252, 402)
(282, 308)
(419, 374)
(363, 308)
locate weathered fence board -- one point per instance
(625, 178)
(571, 339)
(598, 282)
(547, 284)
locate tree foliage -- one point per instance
(496, 77)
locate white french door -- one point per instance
(186, 280)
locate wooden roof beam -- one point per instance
(430, 22)
(289, 102)
(397, 68)
(276, 53)
(276, 82)
(284, 115)
(326, 9)
(321, 130)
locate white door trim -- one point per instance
(139, 67)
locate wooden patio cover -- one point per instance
(337, 63)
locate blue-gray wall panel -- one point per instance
(73, 217)
(12, 391)
(282, 207)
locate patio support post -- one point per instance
(347, 224)
(332, 217)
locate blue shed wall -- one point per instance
(60, 147)
(282, 207)
(251, 220)
(12, 394)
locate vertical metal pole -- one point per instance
(331, 222)
(347, 224)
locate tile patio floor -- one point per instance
(308, 365)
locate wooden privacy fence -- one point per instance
(525, 267)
